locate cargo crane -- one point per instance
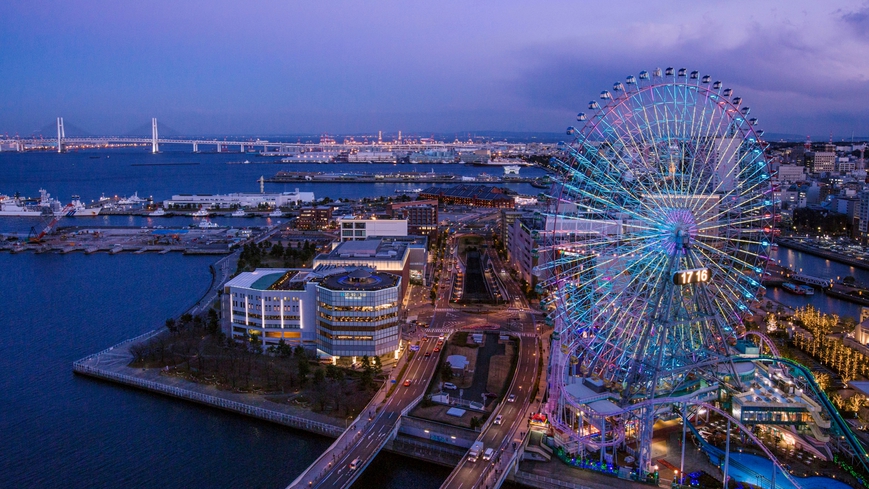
(33, 237)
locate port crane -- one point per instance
(34, 237)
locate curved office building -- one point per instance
(357, 313)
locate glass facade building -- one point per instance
(357, 313)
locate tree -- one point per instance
(171, 326)
(446, 372)
(378, 367)
(319, 377)
(303, 367)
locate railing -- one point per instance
(528, 477)
(238, 407)
(141, 337)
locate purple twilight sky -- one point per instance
(221, 67)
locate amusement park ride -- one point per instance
(654, 247)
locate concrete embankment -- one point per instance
(837, 257)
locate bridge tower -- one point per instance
(60, 134)
(154, 146)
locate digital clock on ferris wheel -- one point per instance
(693, 276)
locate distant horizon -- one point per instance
(72, 131)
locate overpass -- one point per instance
(371, 431)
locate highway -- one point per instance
(506, 437)
(371, 438)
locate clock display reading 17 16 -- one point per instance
(693, 276)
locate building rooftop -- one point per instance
(480, 192)
(359, 279)
(270, 279)
(372, 248)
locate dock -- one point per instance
(412, 178)
(135, 241)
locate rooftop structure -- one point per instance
(473, 195)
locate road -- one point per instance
(504, 438)
(368, 436)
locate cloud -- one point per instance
(858, 21)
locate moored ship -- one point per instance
(793, 288)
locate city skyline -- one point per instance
(284, 69)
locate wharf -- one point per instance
(830, 255)
(403, 177)
(195, 241)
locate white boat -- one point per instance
(207, 224)
(132, 200)
(239, 213)
(12, 207)
(202, 212)
(159, 212)
(276, 213)
(79, 210)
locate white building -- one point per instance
(271, 304)
(791, 173)
(372, 157)
(356, 229)
(228, 201)
(341, 311)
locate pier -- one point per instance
(190, 241)
(399, 177)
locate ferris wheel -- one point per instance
(658, 236)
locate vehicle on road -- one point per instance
(475, 450)
(487, 455)
(511, 398)
(355, 463)
(437, 349)
(407, 383)
(450, 386)
(498, 419)
(427, 354)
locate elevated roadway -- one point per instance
(368, 435)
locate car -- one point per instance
(498, 419)
(407, 383)
(487, 455)
(355, 463)
(511, 398)
(427, 354)
(450, 386)
(437, 349)
(425, 338)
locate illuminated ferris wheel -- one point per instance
(658, 236)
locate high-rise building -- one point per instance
(421, 216)
(314, 218)
(820, 161)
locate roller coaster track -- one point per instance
(840, 423)
(765, 340)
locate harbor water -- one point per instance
(817, 267)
